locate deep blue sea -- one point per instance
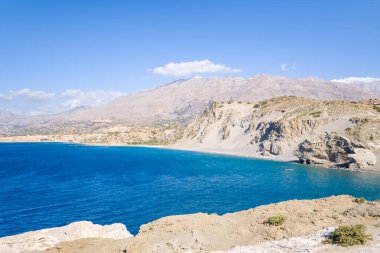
(50, 184)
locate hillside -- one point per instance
(332, 133)
(181, 101)
(184, 99)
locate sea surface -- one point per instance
(51, 184)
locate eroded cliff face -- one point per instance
(331, 133)
(334, 150)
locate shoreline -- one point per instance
(202, 232)
(370, 169)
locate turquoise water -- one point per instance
(48, 184)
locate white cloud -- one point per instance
(357, 80)
(4, 97)
(37, 102)
(286, 67)
(75, 98)
(34, 95)
(193, 67)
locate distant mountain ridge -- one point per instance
(183, 100)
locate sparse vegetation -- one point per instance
(275, 220)
(256, 106)
(376, 108)
(359, 200)
(316, 114)
(348, 236)
(263, 103)
(348, 129)
(147, 142)
(115, 134)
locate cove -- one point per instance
(52, 184)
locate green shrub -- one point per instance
(256, 106)
(275, 220)
(359, 200)
(376, 108)
(316, 114)
(348, 236)
(263, 103)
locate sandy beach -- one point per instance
(247, 152)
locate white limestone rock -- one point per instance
(47, 238)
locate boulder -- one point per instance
(334, 150)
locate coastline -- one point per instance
(233, 153)
(372, 169)
(161, 232)
(307, 224)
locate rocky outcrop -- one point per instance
(334, 150)
(242, 231)
(47, 238)
(332, 133)
(274, 136)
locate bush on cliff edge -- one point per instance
(348, 236)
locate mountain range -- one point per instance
(183, 100)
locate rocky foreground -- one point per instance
(307, 224)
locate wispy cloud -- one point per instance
(287, 67)
(74, 98)
(192, 67)
(4, 97)
(28, 94)
(37, 102)
(357, 80)
(34, 95)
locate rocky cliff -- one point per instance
(332, 133)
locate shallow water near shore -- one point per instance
(52, 184)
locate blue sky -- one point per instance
(100, 49)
